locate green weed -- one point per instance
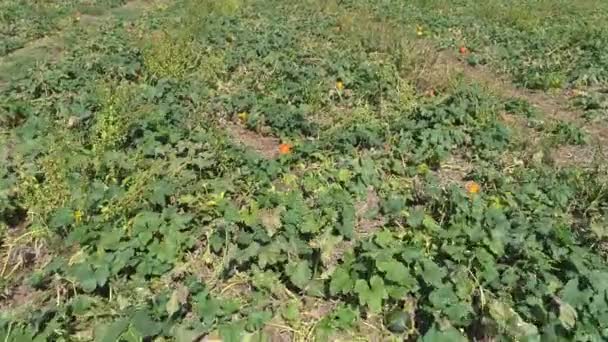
(166, 57)
(567, 133)
(112, 124)
(45, 190)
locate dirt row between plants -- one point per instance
(264, 145)
(555, 107)
(50, 48)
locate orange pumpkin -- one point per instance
(472, 187)
(285, 148)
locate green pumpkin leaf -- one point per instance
(572, 294)
(111, 332)
(232, 332)
(85, 276)
(345, 317)
(341, 282)
(510, 321)
(567, 315)
(447, 335)
(299, 273)
(144, 325)
(397, 272)
(258, 319)
(371, 294)
(102, 273)
(416, 217)
(61, 218)
(291, 312)
(80, 304)
(316, 288)
(432, 273)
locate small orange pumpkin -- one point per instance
(472, 187)
(285, 148)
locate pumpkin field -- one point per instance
(303, 170)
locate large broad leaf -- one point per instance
(344, 317)
(111, 332)
(61, 218)
(146, 222)
(160, 191)
(447, 335)
(102, 273)
(397, 272)
(183, 333)
(371, 294)
(144, 325)
(510, 322)
(347, 225)
(567, 314)
(206, 307)
(291, 312)
(257, 319)
(572, 294)
(299, 273)
(85, 276)
(232, 332)
(316, 288)
(432, 273)
(341, 282)
(270, 254)
(415, 217)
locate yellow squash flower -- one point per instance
(472, 187)
(340, 85)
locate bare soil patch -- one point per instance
(554, 106)
(584, 156)
(453, 171)
(17, 296)
(364, 210)
(266, 146)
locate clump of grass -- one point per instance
(416, 60)
(43, 192)
(21, 250)
(568, 134)
(194, 14)
(169, 57)
(212, 67)
(112, 122)
(207, 7)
